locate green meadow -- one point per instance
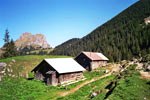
(129, 87)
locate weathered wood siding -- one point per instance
(39, 76)
(96, 64)
(63, 78)
(52, 79)
(59, 79)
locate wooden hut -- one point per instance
(58, 71)
(91, 60)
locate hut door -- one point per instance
(49, 79)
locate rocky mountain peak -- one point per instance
(27, 40)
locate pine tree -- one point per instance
(13, 50)
(9, 46)
(6, 38)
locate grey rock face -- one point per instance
(27, 40)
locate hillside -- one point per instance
(123, 37)
(127, 85)
(67, 44)
(21, 66)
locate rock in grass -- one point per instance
(2, 65)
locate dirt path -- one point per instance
(82, 84)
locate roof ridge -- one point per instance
(95, 55)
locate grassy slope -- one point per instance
(130, 87)
(47, 51)
(22, 89)
(84, 92)
(24, 64)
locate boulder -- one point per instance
(2, 66)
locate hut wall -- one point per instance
(63, 78)
(52, 79)
(83, 61)
(39, 76)
(96, 64)
(41, 69)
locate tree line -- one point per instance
(122, 38)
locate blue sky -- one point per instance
(58, 20)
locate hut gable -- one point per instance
(59, 70)
(91, 60)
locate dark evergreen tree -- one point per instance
(13, 48)
(9, 46)
(6, 38)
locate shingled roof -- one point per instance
(95, 56)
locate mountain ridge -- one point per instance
(123, 37)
